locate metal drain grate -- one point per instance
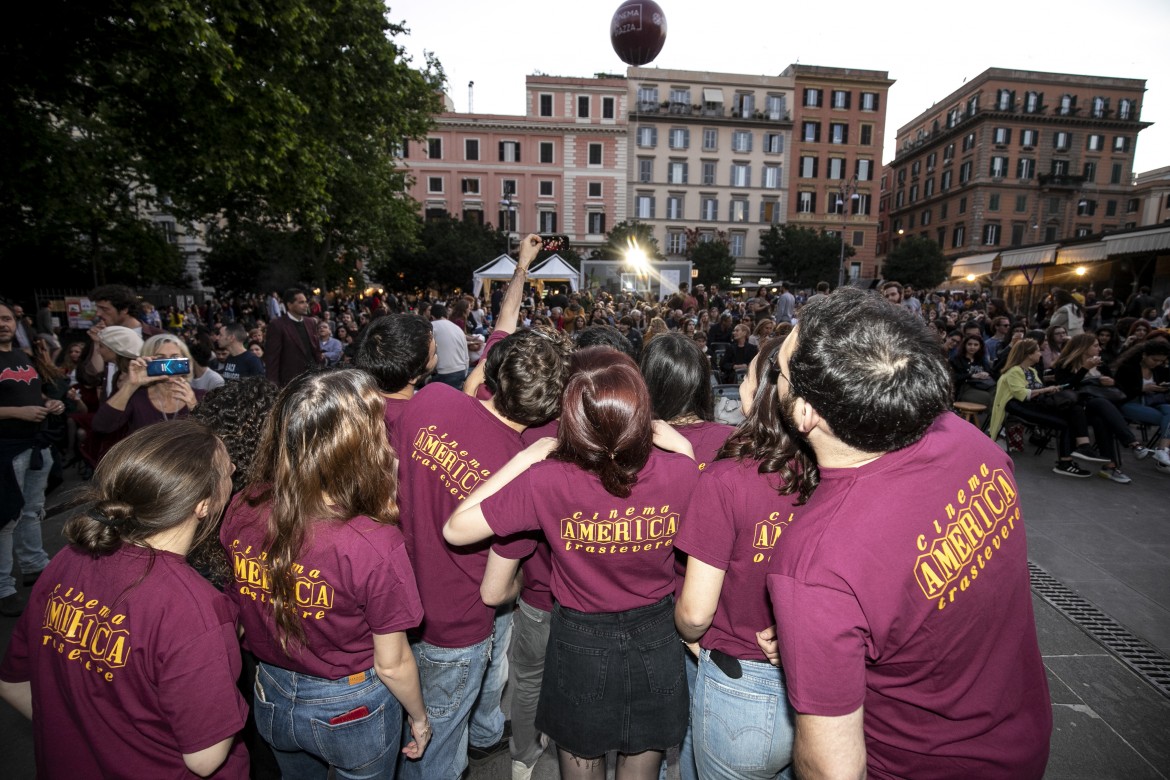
(1139, 655)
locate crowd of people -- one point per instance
(323, 534)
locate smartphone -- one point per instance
(555, 243)
(168, 367)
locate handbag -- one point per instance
(1015, 437)
(1058, 400)
(1111, 394)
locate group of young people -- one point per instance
(753, 595)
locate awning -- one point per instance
(1036, 255)
(1084, 253)
(1144, 241)
(975, 264)
(711, 95)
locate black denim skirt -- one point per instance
(614, 681)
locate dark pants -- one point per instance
(1068, 421)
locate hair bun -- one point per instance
(112, 513)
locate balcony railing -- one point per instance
(1062, 181)
(716, 111)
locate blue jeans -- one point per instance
(293, 712)
(487, 719)
(454, 379)
(743, 729)
(451, 680)
(687, 769)
(23, 535)
(1149, 415)
(529, 642)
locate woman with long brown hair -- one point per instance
(610, 504)
(325, 588)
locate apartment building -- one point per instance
(839, 120)
(1015, 158)
(709, 151)
(559, 169)
(1150, 202)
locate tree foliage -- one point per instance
(281, 115)
(917, 261)
(619, 239)
(801, 255)
(446, 255)
(711, 255)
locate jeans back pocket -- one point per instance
(355, 743)
(581, 671)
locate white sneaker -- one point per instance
(1162, 455)
(1141, 453)
(1114, 475)
(520, 771)
(1162, 467)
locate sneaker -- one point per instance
(477, 754)
(1162, 467)
(1162, 455)
(1086, 453)
(1069, 469)
(1114, 475)
(521, 771)
(12, 606)
(1140, 452)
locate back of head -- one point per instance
(1075, 349)
(438, 311)
(872, 371)
(525, 373)
(150, 482)
(605, 419)
(236, 331)
(605, 336)
(395, 350)
(1020, 350)
(236, 412)
(119, 296)
(678, 378)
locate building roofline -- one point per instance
(798, 71)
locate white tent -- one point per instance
(554, 269)
(498, 270)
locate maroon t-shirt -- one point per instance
(609, 554)
(537, 591)
(354, 580)
(447, 444)
(132, 664)
(706, 438)
(394, 409)
(735, 521)
(903, 585)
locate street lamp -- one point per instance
(847, 194)
(509, 209)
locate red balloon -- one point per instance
(638, 31)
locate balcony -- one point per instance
(1060, 181)
(706, 111)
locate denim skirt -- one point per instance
(614, 681)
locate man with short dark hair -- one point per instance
(901, 589)
(399, 352)
(451, 342)
(822, 291)
(240, 362)
(291, 346)
(785, 304)
(892, 292)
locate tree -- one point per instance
(711, 255)
(801, 255)
(619, 239)
(446, 255)
(917, 261)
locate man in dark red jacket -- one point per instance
(291, 346)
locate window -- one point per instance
(836, 168)
(1029, 138)
(736, 244)
(999, 167)
(676, 242)
(806, 202)
(1025, 168)
(708, 172)
(1115, 174)
(648, 137)
(435, 148)
(546, 105)
(925, 218)
(1095, 142)
(647, 98)
(595, 154)
(1060, 167)
(838, 133)
(991, 234)
(931, 159)
(680, 138)
(1068, 104)
(928, 188)
(771, 177)
(958, 235)
(915, 169)
(869, 101)
(1111, 208)
(942, 211)
(470, 148)
(841, 98)
(900, 199)
(741, 175)
(770, 212)
(773, 143)
(812, 98)
(509, 151)
(945, 184)
(1021, 204)
(810, 132)
(739, 210)
(508, 187)
(968, 142)
(1125, 109)
(965, 172)
(962, 205)
(745, 103)
(471, 186)
(913, 193)
(864, 170)
(901, 177)
(1090, 172)
(644, 206)
(741, 141)
(808, 167)
(607, 110)
(1121, 143)
(1100, 107)
(861, 205)
(1060, 141)
(434, 184)
(546, 151)
(1004, 100)
(1033, 102)
(708, 208)
(508, 220)
(949, 153)
(596, 222)
(993, 202)
(776, 109)
(547, 221)
(1017, 233)
(545, 188)
(473, 216)
(674, 206)
(676, 172)
(595, 189)
(866, 135)
(1001, 136)
(1086, 207)
(680, 96)
(710, 139)
(645, 169)
(582, 106)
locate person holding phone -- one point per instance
(152, 391)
